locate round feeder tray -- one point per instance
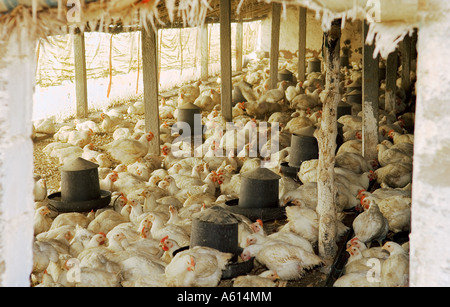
(264, 214)
(79, 206)
(236, 268)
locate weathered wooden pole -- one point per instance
(239, 45)
(391, 79)
(370, 88)
(274, 44)
(225, 59)
(406, 63)
(302, 44)
(150, 80)
(326, 137)
(80, 75)
(204, 52)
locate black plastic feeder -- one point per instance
(237, 95)
(80, 188)
(285, 75)
(217, 228)
(343, 108)
(258, 196)
(303, 148)
(189, 114)
(314, 65)
(354, 96)
(288, 171)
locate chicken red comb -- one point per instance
(260, 222)
(361, 191)
(164, 239)
(102, 233)
(362, 199)
(143, 233)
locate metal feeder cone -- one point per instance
(258, 196)
(217, 228)
(285, 75)
(189, 114)
(314, 65)
(303, 148)
(80, 188)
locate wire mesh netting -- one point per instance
(178, 58)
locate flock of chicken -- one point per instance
(132, 241)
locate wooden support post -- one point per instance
(369, 100)
(406, 65)
(239, 44)
(301, 44)
(326, 137)
(274, 44)
(225, 59)
(80, 75)
(204, 52)
(391, 79)
(150, 80)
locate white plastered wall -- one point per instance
(429, 239)
(17, 73)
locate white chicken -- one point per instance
(196, 267)
(42, 222)
(354, 162)
(370, 225)
(128, 150)
(392, 155)
(43, 254)
(396, 209)
(40, 189)
(395, 175)
(395, 269)
(398, 138)
(159, 230)
(143, 272)
(106, 221)
(289, 261)
(373, 252)
(70, 219)
(80, 138)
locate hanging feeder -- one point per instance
(314, 65)
(217, 228)
(285, 75)
(343, 108)
(258, 196)
(303, 148)
(189, 114)
(354, 96)
(355, 85)
(237, 95)
(80, 188)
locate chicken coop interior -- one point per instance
(224, 143)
